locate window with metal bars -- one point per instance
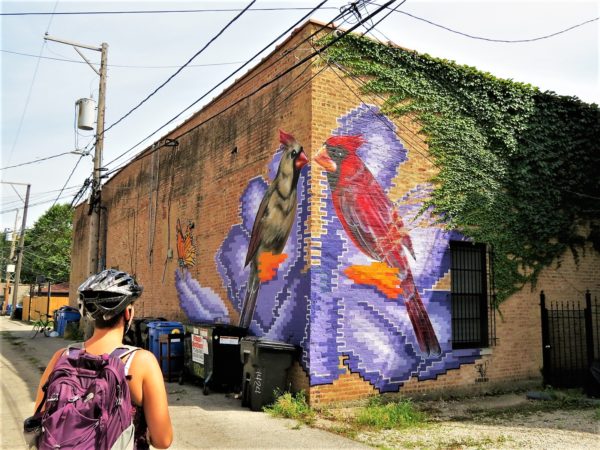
(471, 293)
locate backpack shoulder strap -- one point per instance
(124, 350)
(75, 346)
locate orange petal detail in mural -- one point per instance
(378, 274)
(268, 263)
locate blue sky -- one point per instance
(37, 115)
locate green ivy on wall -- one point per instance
(518, 168)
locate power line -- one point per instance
(161, 11)
(506, 41)
(127, 66)
(35, 161)
(284, 33)
(68, 179)
(28, 98)
(231, 22)
(38, 196)
(5, 211)
(302, 61)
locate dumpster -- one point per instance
(19, 312)
(65, 315)
(212, 355)
(265, 370)
(167, 349)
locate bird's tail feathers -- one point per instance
(424, 332)
(249, 305)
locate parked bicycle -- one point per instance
(45, 326)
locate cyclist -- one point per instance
(107, 298)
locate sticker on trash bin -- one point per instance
(229, 340)
(198, 348)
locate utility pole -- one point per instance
(95, 198)
(10, 258)
(20, 249)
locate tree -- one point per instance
(48, 246)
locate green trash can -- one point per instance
(265, 370)
(212, 355)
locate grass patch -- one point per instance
(597, 414)
(381, 415)
(292, 406)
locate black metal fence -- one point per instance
(570, 339)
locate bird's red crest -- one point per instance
(286, 138)
(350, 143)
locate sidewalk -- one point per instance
(215, 421)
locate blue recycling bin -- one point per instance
(64, 316)
(172, 347)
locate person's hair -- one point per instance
(110, 323)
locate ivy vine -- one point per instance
(518, 168)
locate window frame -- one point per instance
(484, 304)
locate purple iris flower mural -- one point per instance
(357, 321)
(281, 307)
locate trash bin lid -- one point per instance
(270, 344)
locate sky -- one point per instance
(38, 95)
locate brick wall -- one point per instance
(340, 371)
(357, 341)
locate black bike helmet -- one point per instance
(107, 294)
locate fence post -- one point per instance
(589, 327)
(545, 338)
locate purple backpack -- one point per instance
(88, 404)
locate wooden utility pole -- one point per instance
(20, 250)
(94, 262)
(10, 259)
(96, 204)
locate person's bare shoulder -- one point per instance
(145, 359)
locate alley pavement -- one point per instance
(214, 421)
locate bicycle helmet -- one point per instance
(107, 294)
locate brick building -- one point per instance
(180, 217)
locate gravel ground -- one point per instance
(508, 421)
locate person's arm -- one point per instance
(40, 394)
(154, 399)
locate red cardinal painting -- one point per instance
(273, 223)
(374, 226)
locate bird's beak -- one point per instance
(301, 160)
(322, 158)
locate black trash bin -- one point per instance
(265, 370)
(212, 355)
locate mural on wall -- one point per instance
(200, 304)
(272, 224)
(261, 261)
(378, 299)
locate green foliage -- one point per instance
(380, 415)
(48, 246)
(292, 406)
(517, 167)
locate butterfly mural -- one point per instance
(186, 249)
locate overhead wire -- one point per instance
(161, 11)
(128, 66)
(28, 97)
(281, 74)
(178, 71)
(35, 161)
(505, 41)
(68, 179)
(5, 211)
(228, 77)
